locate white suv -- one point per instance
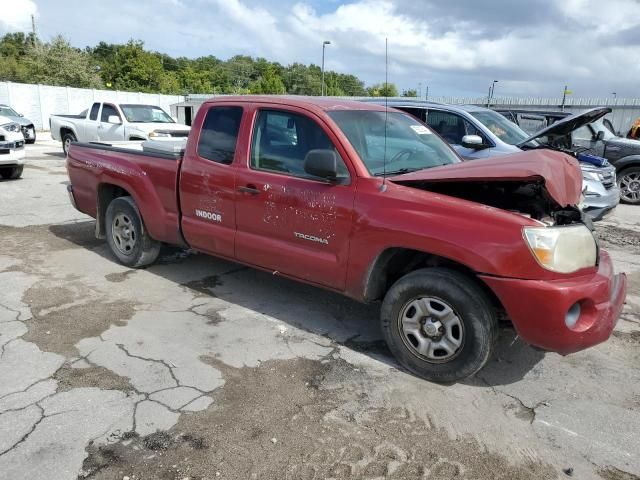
(11, 149)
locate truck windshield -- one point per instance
(145, 114)
(410, 145)
(504, 129)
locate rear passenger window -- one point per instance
(219, 134)
(281, 141)
(452, 127)
(94, 111)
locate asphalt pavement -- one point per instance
(201, 368)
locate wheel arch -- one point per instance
(627, 162)
(107, 192)
(66, 129)
(394, 262)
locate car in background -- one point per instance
(109, 122)
(478, 133)
(597, 138)
(532, 121)
(11, 149)
(26, 125)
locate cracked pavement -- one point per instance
(201, 368)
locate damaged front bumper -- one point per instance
(566, 315)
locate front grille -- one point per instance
(5, 147)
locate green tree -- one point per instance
(383, 90)
(58, 63)
(412, 92)
(268, 83)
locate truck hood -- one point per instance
(19, 120)
(559, 172)
(567, 125)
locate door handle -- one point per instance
(251, 189)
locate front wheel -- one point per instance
(629, 183)
(126, 235)
(12, 173)
(439, 324)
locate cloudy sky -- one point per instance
(457, 47)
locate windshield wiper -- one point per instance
(400, 171)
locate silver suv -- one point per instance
(477, 132)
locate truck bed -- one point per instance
(151, 178)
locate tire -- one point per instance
(629, 184)
(12, 173)
(453, 309)
(32, 140)
(126, 235)
(66, 141)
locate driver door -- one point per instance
(288, 221)
(110, 131)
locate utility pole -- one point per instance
(564, 97)
(491, 90)
(426, 96)
(33, 24)
(324, 44)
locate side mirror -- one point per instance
(322, 163)
(600, 136)
(473, 141)
(20, 115)
(114, 119)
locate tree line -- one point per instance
(130, 67)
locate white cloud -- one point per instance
(16, 14)
(532, 47)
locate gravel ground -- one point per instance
(200, 368)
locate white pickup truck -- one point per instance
(108, 122)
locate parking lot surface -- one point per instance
(201, 368)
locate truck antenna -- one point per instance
(383, 187)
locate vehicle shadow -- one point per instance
(345, 321)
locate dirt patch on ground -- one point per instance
(286, 420)
(631, 337)
(119, 276)
(35, 241)
(612, 473)
(64, 315)
(99, 377)
(612, 236)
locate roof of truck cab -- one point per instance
(320, 103)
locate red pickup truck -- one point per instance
(373, 204)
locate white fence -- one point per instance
(38, 102)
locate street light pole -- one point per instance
(324, 44)
(492, 88)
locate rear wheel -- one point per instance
(12, 173)
(439, 324)
(126, 235)
(67, 140)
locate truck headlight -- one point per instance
(159, 134)
(562, 249)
